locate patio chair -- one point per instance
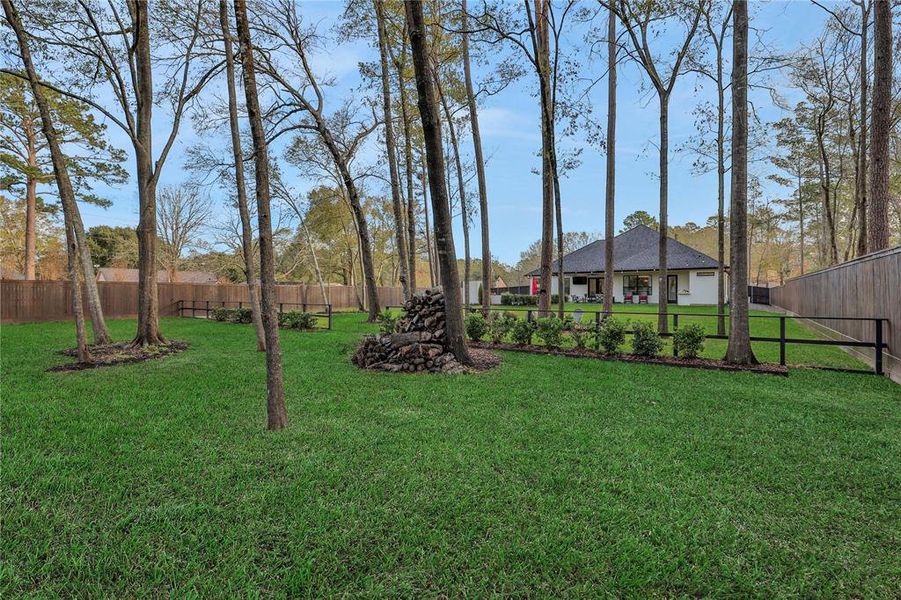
(642, 299)
(628, 299)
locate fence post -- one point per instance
(782, 340)
(281, 307)
(878, 365)
(179, 306)
(207, 309)
(329, 316)
(675, 327)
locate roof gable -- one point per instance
(634, 250)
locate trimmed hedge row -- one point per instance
(508, 299)
(609, 336)
(292, 319)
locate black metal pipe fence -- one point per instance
(877, 343)
(206, 308)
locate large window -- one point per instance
(637, 284)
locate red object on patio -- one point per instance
(628, 299)
(642, 298)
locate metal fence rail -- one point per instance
(206, 307)
(877, 343)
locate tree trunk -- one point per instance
(862, 141)
(610, 192)
(240, 187)
(63, 183)
(877, 211)
(721, 197)
(428, 111)
(739, 350)
(31, 214)
(411, 196)
(480, 167)
(148, 332)
(663, 318)
(393, 172)
(801, 219)
(275, 405)
(541, 47)
(428, 236)
(461, 185)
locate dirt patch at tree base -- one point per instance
(668, 361)
(119, 353)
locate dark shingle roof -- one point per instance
(633, 250)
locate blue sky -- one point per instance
(510, 130)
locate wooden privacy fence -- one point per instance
(33, 301)
(869, 286)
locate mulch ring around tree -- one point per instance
(669, 361)
(119, 353)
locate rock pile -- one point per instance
(416, 345)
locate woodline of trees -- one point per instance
(387, 216)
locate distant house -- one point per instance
(162, 276)
(8, 273)
(691, 275)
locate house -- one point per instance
(162, 276)
(691, 275)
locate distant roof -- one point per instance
(162, 276)
(633, 250)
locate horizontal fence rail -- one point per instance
(190, 308)
(877, 326)
(861, 287)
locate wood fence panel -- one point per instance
(869, 286)
(34, 301)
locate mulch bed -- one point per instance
(668, 361)
(483, 360)
(119, 353)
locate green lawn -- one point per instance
(547, 477)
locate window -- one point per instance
(706, 273)
(637, 284)
(579, 280)
(567, 281)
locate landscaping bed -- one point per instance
(670, 361)
(119, 353)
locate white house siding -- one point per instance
(693, 289)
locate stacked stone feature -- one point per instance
(418, 341)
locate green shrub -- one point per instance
(568, 322)
(688, 340)
(297, 319)
(550, 331)
(508, 299)
(555, 299)
(521, 332)
(242, 315)
(580, 334)
(220, 313)
(387, 321)
(499, 326)
(610, 335)
(645, 339)
(511, 314)
(476, 326)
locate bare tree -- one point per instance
(739, 350)
(610, 191)
(303, 95)
(182, 214)
(240, 187)
(638, 20)
(393, 172)
(275, 385)
(66, 192)
(113, 44)
(480, 164)
(877, 215)
(431, 127)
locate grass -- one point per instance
(547, 477)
